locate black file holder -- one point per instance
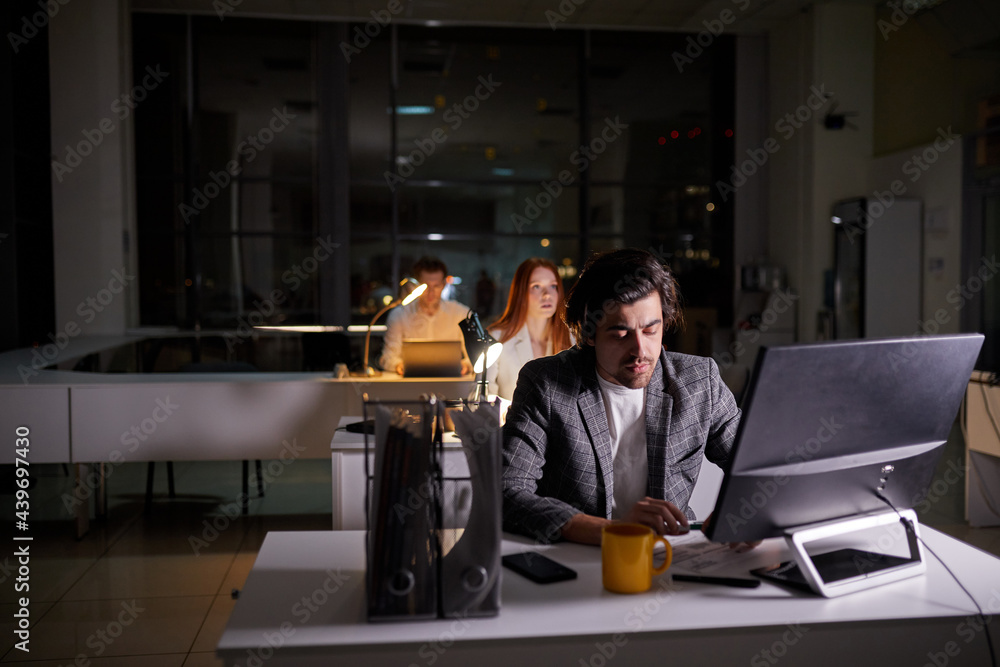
(414, 510)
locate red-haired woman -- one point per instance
(531, 326)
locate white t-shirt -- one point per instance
(626, 413)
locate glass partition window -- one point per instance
(482, 146)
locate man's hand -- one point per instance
(466, 367)
(660, 515)
(399, 369)
(738, 547)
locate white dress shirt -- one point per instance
(411, 322)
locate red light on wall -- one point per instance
(661, 140)
(729, 133)
(674, 134)
(697, 131)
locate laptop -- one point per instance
(431, 358)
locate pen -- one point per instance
(694, 525)
(721, 581)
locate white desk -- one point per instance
(347, 459)
(84, 418)
(303, 605)
(78, 417)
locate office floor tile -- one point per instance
(152, 576)
(214, 625)
(183, 529)
(119, 627)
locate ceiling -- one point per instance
(966, 28)
(744, 16)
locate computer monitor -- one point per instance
(828, 427)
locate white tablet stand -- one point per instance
(849, 570)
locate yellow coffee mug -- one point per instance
(627, 557)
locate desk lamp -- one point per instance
(401, 301)
(482, 347)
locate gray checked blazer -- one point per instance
(557, 448)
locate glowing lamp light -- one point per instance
(481, 346)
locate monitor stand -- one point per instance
(847, 570)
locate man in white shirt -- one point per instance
(429, 317)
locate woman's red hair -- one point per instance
(516, 313)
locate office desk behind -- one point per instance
(303, 605)
(80, 417)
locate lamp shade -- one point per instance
(483, 349)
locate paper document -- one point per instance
(694, 553)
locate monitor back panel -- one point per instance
(822, 421)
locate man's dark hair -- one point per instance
(428, 264)
(617, 278)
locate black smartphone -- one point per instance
(540, 569)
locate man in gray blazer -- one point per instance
(615, 427)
